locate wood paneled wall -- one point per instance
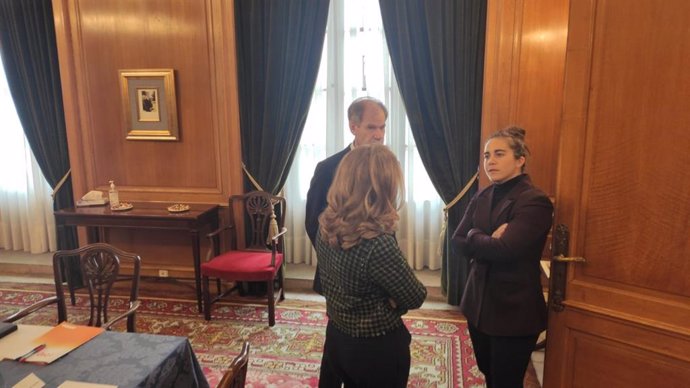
(96, 39)
(525, 56)
(523, 85)
(523, 78)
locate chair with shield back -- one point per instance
(100, 265)
(260, 261)
(236, 374)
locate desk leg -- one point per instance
(95, 234)
(197, 267)
(67, 272)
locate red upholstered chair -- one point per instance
(261, 260)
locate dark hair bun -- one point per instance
(516, 139)
(515, 132)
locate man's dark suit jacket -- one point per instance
(316, 199)
(503, 294)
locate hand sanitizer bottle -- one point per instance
(113, 196)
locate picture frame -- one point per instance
(149, 104)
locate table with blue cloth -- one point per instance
(121, 359)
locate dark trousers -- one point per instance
(376, 362)
(502, 360)
(317, 282)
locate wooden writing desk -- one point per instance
(145, 215)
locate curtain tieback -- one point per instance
(444, 225)
(251, 178)
(460, 195)
(60, 183)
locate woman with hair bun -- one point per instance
(503, 233)
(367, 282)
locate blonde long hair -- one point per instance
(364, 198)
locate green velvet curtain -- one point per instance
(279, 46)
(29, 52)
(437, 52)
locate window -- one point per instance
(26, 208)
(356, 63)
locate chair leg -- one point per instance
(132, 323)
(71, 287)
(207, 298)
(281, 282)
(271, 303)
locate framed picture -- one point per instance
(149, 104)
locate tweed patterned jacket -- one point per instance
(358, 283)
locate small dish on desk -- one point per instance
(122, 206)
(178, 208)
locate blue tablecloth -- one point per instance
(122, 359)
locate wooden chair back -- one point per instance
(260, 209)
(100, 266)
(236, 374)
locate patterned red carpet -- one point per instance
(287, 355)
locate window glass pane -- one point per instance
(356, 63)
(13, 156)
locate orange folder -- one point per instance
(61, 340)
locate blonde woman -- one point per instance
(366, 281)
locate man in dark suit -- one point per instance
(367, 121)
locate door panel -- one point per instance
(596, 372)
(606, 351)
(638, 102)
(623, 190)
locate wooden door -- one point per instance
(623, 190)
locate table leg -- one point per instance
(95, 234)
(197, 267)
(68, 275)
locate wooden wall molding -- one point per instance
(95, 39)
(523, 78)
